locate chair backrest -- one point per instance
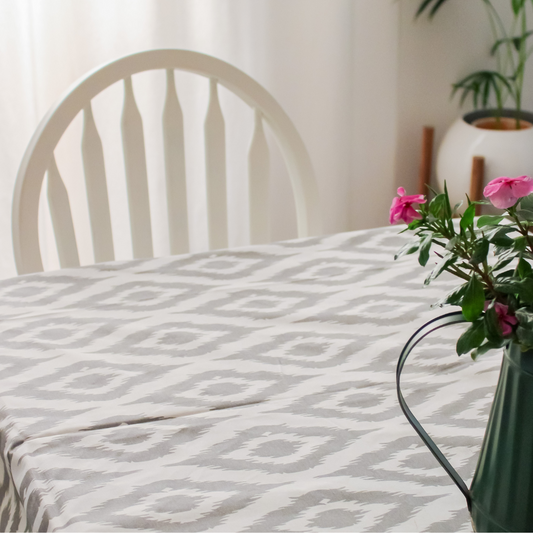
(39, 159)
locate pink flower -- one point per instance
(401, 208)
(505, 320)
(504, 192)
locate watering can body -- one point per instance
(502, 487)
(501, 494)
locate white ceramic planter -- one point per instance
(506, 153)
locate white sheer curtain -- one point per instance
(302, 51)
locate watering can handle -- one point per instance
(426, 329)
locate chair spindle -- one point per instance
(258, 184)
(215, 166)
(59, 205)
(174, 147)
(136, 174)
(96, 186)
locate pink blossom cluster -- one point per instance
(504, 192)
(402, 207)
(505, 320)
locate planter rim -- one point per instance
(470, 117)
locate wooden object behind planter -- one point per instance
(476, 181)
(424, 175)
(426, 157)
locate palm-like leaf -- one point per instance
(481, 85)
(517, 42)
(484, 84)
(517, 6)
(426, 4)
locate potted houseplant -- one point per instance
(492, 256)
(498, 129)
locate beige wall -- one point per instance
(375, 109)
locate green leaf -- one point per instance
(425, 247)
(481, 85)
(456, 207)
(524, 268)
(454, 297)
(502, 242)
(481, 251)
(520, 244)
(432, 190)
(488, 220)
(526, 290)
(415, 224)
(441, 266)
(502, 239)
(473, 300)
(436, 7)
(471, 338)
(517, 6)
(525, 318)
(407, 249)
(422, 7)
(468, 217)
(526, 203)
(523, 289)
(426, 3)
(508, 287)
(502, 263)
(438, 206)
(452, 242)
(525, 214)
(448, 212)
(484, 348)
(505, 251)
(517, 42)
(494, 231)
(505, 274)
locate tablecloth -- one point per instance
(249, 389)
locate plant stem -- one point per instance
(522, 57)
(522, 230)
(502, 66)
(486, 278)
(456, 272)
(495, 18)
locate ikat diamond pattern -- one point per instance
(241, 390)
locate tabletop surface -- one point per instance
(250, 389)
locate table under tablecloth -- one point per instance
(250, 389)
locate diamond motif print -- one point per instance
(237, 390)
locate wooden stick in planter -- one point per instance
(424, 175)
(476, 181)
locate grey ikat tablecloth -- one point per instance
(250, 389)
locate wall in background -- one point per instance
(375, 110)
(359, 78)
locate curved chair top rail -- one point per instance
(37, 156)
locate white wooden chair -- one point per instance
(39, 159)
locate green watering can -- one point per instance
(501, 495)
